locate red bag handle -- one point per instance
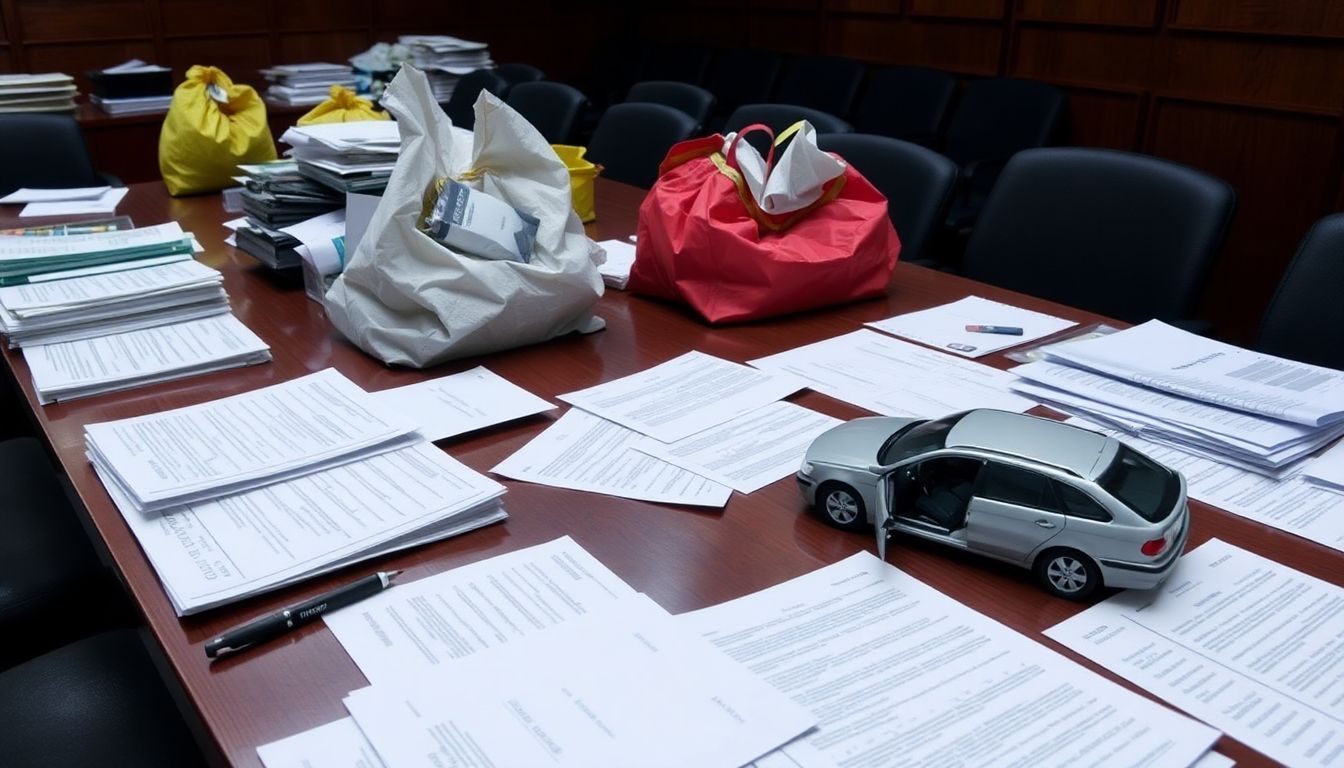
(770, 155)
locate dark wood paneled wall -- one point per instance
(1249, 90)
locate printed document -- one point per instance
(36, 299)
(407, 632)
(683, 396)
(1241, 642)
(338, 744)
(901, 675)
(896, 378)
(1157, 355)
(749, 452)
(627, 686)
(944, 326)
(245, 441)
(210, 553)
(19, 247)
(1293, 504)
(583, 452)
(1327, 470)
(70, 369)
(462, 402)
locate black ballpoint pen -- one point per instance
(263, 629)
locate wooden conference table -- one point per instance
(683, 558)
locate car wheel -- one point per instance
(1067, 573)
(841, 506)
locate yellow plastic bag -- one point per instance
(211, 127)
(342, 106)
(581, 175)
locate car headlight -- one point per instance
(806, 469)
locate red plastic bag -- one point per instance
(703, 240)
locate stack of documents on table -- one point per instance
(1244, 408)
(54, 92)
(445, 59)
(240, 495)
(114, 302)
(349, 157)
(132, 88)
(615, 270)
(689, 431)
(66, 370)
(30, 259)
(276, 194)
(304, 84)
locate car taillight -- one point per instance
(1153, 548)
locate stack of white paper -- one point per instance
(32, 259)
(1230, 404)
(306, 83)
(615, 270)
(445, 59)
(356, 156)
(49, 92)
(214, 552)
(114, 302)
(71, 369)
(220, 448)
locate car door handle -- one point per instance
(1045, 524)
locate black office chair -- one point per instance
(1305, 319)
(739, 76)
(632, 139)
(995, 119)
(781, 116)
(46, 151)
(910, 103)
(553, 108)
(824, 83)
(682, 63)
(691, 99)
(1125, 235)
(96, 701)
(517, 72)
(47, 564)
(917, 182)
(460, 106)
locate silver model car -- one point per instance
(1078, 508)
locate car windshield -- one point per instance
(917, 438)
(1141, 484)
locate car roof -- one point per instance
(1078, 451)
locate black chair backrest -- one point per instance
(1001, 116)
(553, 108)
(909, 103)
(517, 72)
(1125, 235)
(742, 76)
(632, 139)
(1305, 319)
(824, 83)
(460, 105)
(691, 99)
(917, 182)
(44, 151)
(682, 63)
(781, 116)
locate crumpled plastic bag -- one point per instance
(342, 106)
(409, 300)
(796, 179)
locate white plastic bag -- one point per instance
(409, 300)
(799, 173)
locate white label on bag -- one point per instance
(217, 92)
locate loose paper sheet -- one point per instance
(1244, 643)
(405, 633)
(683, 396)
(944, 326)
(749, 452)
(588, 453)
(462, 402)
(901, 675)
(104, 203)
(895, 378)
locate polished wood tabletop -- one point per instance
(684, 558)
